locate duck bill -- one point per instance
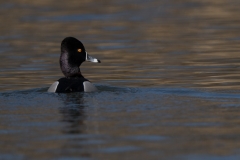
(91, 59)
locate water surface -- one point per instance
(168, 82)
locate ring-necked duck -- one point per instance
(72, 55)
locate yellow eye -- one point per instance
(79, 50)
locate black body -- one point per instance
(70, 84)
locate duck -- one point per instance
(73, 54)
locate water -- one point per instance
(120, 123)
(168, 82)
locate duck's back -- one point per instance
(72, 84)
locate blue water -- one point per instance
(138, 122)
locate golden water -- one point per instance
(140, 43)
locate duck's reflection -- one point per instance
(73, 113)
(73, 116)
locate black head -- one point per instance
(73, 54)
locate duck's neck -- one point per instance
(68, 69)
(78, 74)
